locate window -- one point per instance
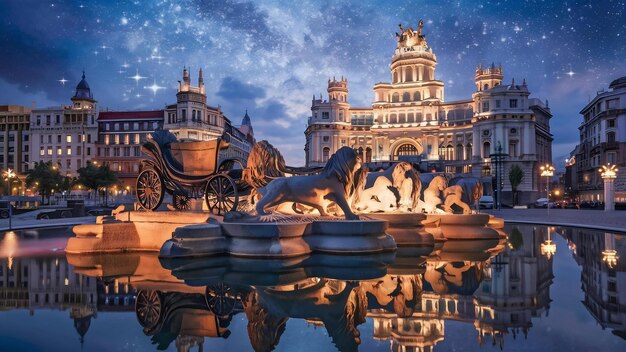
(49, 138)
(126, 126)
(57, 119)
(611, 158)
(79, 150)
(486, 149)
(497, 104)
(513, 148)
(116, 151)
(47, 120)
(41, 151)
(41, 139)
(610, 123)
(325, 138)
(69, 150)
(117, 139)
(68, 163)
(610, 137)
(59, 151)
(88, 151)
(325, 115)
(49, 151)
(513, 103)
(485, 106)
(68, 138)
(325, 154)
(38, 120)
(58, 138)
(88, 138)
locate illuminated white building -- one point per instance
(65, 135)
(409, 120)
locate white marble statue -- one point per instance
(338, 182)
(432, 194)
(452, 196)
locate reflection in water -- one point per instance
(497, 288)
(603, 276)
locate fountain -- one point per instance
(270, 210)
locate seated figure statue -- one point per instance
(338, 182)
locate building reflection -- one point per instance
(48, 282)
(496, 288)
(603, 277)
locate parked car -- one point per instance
(486, 202)
(543, 203)
(99, 211)
(55, 214)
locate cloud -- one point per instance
(234, 89)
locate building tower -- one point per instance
(487, 78)
(328, 123)
(83, 99)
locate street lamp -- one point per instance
(608, 173)
(547, 170)
(10, 175)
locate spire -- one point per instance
(200, 78)
(83, 73)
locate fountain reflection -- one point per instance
(495, 287)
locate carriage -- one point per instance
(188, 170)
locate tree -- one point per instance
(45, 177)
(516, 175)
(98, 178)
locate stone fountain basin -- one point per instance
(459, 219)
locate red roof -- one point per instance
(129, 115)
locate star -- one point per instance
(570, 73)
(63, 80)
(125, 65)
(154, 88)
(137, 77)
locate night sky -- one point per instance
(272, 56)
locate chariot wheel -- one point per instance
(148, 307)
(182, 201)
(221, 194)
(150, 189)
(220, 299)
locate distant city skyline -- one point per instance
(271, 57)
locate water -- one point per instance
(516, 295)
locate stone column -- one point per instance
(609, 194)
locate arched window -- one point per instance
(406, 149)
(486, 149)
(393, 118)
(409, 74)
(368, 155)
(325, 154)
(449, 152)
(468, 151)
(395, 76)
(395, 98)
(459, 151)
(406, 96)
(610, 137)
(416, 96)
(486, 86)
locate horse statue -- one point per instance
(432, 194)
(398, 186)
(472, 189)
(338, 182)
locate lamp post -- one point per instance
(608, 173)
(497, 159)
(547, 170)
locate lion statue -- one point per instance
(404, 179)
(379, 197)
(335, 183)
(432, 194)
(265, 163)
(472, 189)
(452, 196)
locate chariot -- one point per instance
(188, 170)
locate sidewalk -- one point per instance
(29, 220)
(596, 219)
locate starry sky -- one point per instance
(270, 57)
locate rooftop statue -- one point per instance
(408, 38)
(338, 182)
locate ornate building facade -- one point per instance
(191, 118)
(409, 120)
(65, 135)
(602, 141)
(14, 136)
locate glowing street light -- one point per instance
(608, 173)
(547, 171)
(610, 257)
